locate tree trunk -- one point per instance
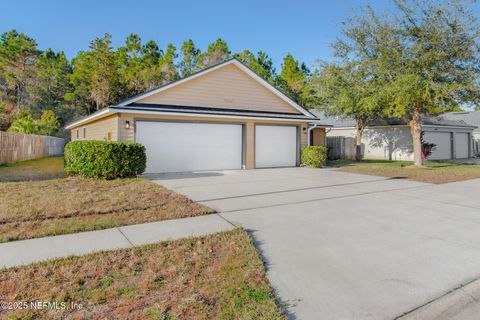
(416, 129)
(358, 142)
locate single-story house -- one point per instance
(223, 117)
(472, 118)
(392, 139)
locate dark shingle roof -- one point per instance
(210, 110)
(433, 121)
(469, 117)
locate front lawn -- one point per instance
(73, 204)
(220, 276)
(37, 169)
(435, 172)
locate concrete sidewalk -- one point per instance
(16, 253)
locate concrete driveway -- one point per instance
(348, 246)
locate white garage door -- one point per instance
(180, 147)
(461, 145)
(275, 146)
(443, 149)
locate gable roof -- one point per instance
(231, 61)
(470, 117)
(442, 121)
(132, 106)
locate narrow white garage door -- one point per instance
(461, 145)
(443, 148)
(275, 146)
(180, 147)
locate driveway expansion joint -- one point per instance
(126, 238)
(226, 220)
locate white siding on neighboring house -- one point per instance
(395, 142)
(390, 143)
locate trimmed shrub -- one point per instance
(314, 156)
(104, 159)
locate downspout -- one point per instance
(308, 133)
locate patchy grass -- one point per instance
(434, 172)
(220, 276)
(38, 169)
(73, 204)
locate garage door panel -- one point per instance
(179, 147)
(442, 141)
(461, 145)
(275, 146)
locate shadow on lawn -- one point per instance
(33, 170)
(350, 163)
(31, 178)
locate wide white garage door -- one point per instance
(180, 147)
(275, 146)
(461, 145)
(443, 149)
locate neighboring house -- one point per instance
(472, 118)
(223, 117)
(392, 139)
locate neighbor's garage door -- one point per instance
(461, 145)
(179, 147)
(275, 146)
(443, 148)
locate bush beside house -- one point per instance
(107, 160)
(314, 156)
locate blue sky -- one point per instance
(304, 28)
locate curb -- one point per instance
(447, 305)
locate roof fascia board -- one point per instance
(89, 118)
(448, 126)
(406, 125)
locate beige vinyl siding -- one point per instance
(97, 130)
(227, 87)
(129, 134)
(318, 137)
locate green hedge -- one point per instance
(314, 156)
(102, 159)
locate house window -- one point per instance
(77, 134)
(84, 133)
(109, 136)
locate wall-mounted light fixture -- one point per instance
(127, 124)
(304, 129)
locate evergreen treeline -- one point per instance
(40, 91)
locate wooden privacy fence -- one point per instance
(341, 148)
(19, 147)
